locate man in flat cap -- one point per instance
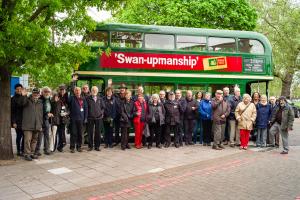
(282, 122)
(221, 110)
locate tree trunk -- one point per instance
(286, 85)
(6, 151)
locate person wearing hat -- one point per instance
(16, 118)
(282, 122)
(120, 99)
(172, 120)
(220, 111)
(32, 125)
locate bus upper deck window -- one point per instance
(221, 44)
(251, 46)
(191, 43)
(126, 39)
(159, 41)
(97, 38)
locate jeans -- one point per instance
(198, 128)
(20, 140)
(261, 139)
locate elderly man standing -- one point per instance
(233, 124)
(78, 114)
(182, 102)
(95, 115)
(32, 121)
(282, 122)
(221, 110)
(190, 116)
(45, 99)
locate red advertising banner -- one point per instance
(134, 60)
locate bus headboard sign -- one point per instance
(254, 65)
(154, 61)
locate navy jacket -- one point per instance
(75, 110)
(263, 115)
(233, 102)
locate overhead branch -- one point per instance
(38, 11)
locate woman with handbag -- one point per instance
(126, 119)
(245, 114)
(156, 118)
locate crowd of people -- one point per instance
(225, 119)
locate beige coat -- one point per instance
(246, 120)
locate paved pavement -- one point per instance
(194, 172)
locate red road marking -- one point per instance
(137, 191)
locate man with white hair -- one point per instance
(233, 124)
(95, 115)
(45, 98)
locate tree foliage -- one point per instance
(27, 28)
(229, 14)
(279, 21)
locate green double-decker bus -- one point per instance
(169, 58)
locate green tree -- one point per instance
(229, 14)
(26, 43)
(279, 21)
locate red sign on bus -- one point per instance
(133, 60)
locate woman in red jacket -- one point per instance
(140, 114)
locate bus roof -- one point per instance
(183, 31)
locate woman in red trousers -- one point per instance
(139, 120)
(245, 114)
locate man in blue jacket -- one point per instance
(78, 115)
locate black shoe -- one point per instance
(60, 150)
(191, 143)
(28, 158)
(90, 149)
(97, 149)
(128, 146)
(38, 154)
(284, 152)
(158, 146)
(181, 144)
(123, 148)
(221, 146)
(149, 146)
(177, 145)
(216, 147)
(167, 145)
(72, 151)
(48, 153)
(106, 146)
(204, 144)
(34, 156)
(116, 144)
(79, 150)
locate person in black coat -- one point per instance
(119, 98)
(172, 120)
(64, 118)
(54, 121)
(110, 108)
(156, 119)
(16, 118)
(190, 116)
(95, 115)
(182, 102)
(126, 110)
(78, 115)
